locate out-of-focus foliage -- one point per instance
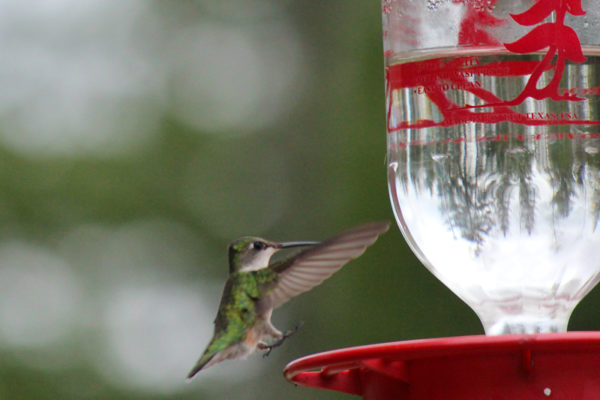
(137, 138)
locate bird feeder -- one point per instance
(553, 366)
(493, 139)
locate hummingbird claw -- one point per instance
(266, 354)
(278, 343)
(298, 326)
(290, 332)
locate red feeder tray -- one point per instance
(553, 366)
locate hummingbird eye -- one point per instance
(258, 245)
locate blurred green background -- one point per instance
(137, 138)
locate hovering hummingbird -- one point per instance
(256, 287)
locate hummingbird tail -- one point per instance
(202, 362)
(214, 355)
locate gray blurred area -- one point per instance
(138, 137)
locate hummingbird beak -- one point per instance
(286, 245)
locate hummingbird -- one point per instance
(256, 286)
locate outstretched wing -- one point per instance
(312, 266)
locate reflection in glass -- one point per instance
(508, 222)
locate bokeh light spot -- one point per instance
(39, 296)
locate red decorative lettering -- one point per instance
(436, 78)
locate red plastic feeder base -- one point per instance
(553, 366)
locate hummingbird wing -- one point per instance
(312, 266)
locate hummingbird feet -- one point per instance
(279, 342)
